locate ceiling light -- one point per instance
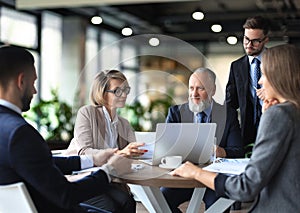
(216, 28)
(232, 40)
(198, 15)
(127, 31)
(96, 20)
(154, 42)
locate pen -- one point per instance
(254, 87)
(76, 172)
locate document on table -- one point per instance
(134, 167)
(150, 149)
(229, 166)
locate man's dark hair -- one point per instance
(13, 60)
(257, 22)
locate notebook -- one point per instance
(193, 141)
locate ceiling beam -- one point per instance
(42, 4)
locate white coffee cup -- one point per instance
(171, 161)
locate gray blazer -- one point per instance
(272, 175)
(89, 131)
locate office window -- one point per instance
(91, 63)
(18, 28)
(130, 67)
(109, 51)
(51, 54)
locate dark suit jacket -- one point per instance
(228, 131)
(25, 156)
(238, 95)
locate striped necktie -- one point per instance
(201, 117)
(257, 106)
(257, 72)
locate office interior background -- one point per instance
(162, 43)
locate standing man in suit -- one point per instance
(25, 156)
(242, 89)
(201, 108)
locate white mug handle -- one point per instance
(163, 160)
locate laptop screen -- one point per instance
(193, 141)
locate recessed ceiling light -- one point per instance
(216, 28)
(232, 40)
(154, 42)
(198, 15)
(96, 20)
(127, 31)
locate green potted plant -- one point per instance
(145, 118)
(54, 119)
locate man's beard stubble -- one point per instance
(26, 100)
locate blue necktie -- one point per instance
(257, 106)
(201, 117)
(257, 72)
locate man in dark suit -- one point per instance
(241, 89)
(202, 88)
(25, 156)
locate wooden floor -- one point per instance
(141, 209)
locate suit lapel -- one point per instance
(187, 116)
(244, 74)
(101, 122)
(122, 142)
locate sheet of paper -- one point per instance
(150, 148)
(229, 166)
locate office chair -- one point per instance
(15, 198)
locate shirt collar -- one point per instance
(250, 58)
(10, 106)
(107, 116)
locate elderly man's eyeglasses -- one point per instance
(253, 41)
(119, 91)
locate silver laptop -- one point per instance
(193, 141)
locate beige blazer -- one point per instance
(89, 131)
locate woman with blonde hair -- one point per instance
(98, 127)
(271, 177)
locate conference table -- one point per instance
(148, 180)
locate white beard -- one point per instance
(199, 107)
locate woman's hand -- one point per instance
(266, 103)
(187, 170)
(269, 103)
(132, 150)
(261, 94)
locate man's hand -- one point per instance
(101, 156)
(119, 165)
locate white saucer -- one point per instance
(167, 167)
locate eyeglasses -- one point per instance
(119, 91)
(254, 42)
